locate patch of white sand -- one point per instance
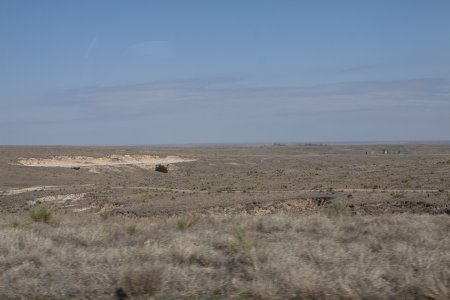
(112, 160)
(11, 192)
(57, 198)
(233, 164)
(94, 170)
(76, 210)
(17, 191)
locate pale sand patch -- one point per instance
(57, 198)
(76, 210)
(112, 160)
(11, 192)
(16, 191)
(233, 164)
(94, 170)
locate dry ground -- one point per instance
(303, 222)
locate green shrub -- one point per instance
(183, 224)
(131, 229)
(161, 168)
(186, 222)
(41, 214)
(243, 241)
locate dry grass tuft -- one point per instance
(186, 222)
(338, 209)
(141, 281)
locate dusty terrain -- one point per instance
(411, 178)
(226, 222)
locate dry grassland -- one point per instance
(297, 222)
(237, 257)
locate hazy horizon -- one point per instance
(256, 144)
(203, 72)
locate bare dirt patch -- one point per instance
(271, 207)
(379, 208)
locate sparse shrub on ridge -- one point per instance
(161, 168)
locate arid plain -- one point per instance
(276, 221)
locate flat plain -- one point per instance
(279, 221)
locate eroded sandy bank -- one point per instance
(111, 160)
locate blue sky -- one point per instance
(173, 72)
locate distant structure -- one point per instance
(385, 151)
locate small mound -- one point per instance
(112, 160)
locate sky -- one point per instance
(187, 72)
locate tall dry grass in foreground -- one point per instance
(214, 257)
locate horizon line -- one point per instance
(250, 144)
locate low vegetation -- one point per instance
(131, 228)
(183, 224)
(281, 256)
(41, 214)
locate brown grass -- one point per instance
(235, 257)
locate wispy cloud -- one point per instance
(220, 93)
(221, 110)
